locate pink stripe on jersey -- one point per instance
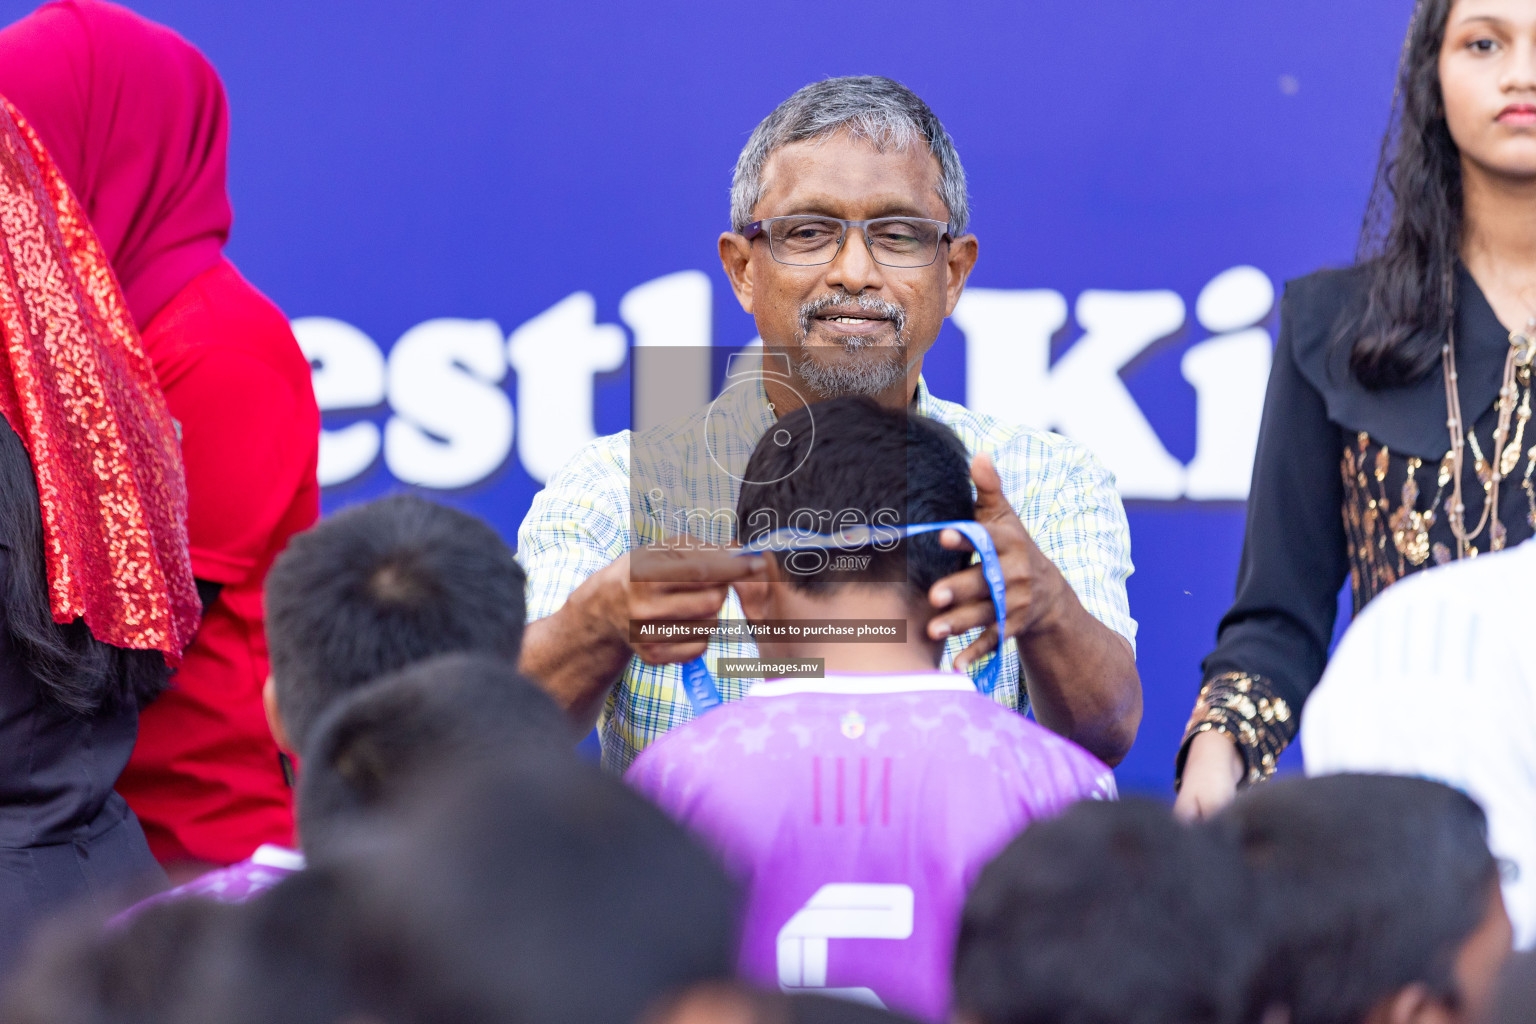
(816, 790)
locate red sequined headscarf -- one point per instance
(136, 120)
(78, 389)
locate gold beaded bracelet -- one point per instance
(1246, 708)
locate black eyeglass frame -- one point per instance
(760, 228)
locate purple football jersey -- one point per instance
(235, 884)
(857, 811)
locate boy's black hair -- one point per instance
(536, 889)
(812, 1009)
(291, 957)
(849, 461)
(381, 586)
(373, 746)
(744, 1004)
(78, 972)
(555, 866)
(1113, 913)
(1514, 999)
(1373, 883)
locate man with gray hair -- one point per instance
(848, 246)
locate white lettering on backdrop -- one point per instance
(450, 421)
(556, 355)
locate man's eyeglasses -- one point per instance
(806, 240)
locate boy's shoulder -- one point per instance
(938, 716)
(235, 883)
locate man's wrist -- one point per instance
(598, 602)
(1060, 610)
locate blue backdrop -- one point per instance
(462, 168)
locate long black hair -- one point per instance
(73, 668)
(1411, 239)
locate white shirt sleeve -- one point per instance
(1437, 679)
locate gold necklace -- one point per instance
(1517, 376)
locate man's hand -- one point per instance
(580, 651)
(670, 585)
(1080, 674)
(1035, 587)
(1212, 770)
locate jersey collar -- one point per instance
(866, 685)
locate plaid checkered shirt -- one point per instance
(582, 520)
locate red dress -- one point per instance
(205, 778)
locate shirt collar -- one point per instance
(922, 401)
(270, 855)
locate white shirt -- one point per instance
(1437, 679)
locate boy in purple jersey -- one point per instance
(858, 807)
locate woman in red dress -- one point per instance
(136, 120)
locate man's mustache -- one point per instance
(869, 304)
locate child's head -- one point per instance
(78, 972)
(1514, 999)
(291, 957)
(850, 462)
(535, 889)
(557, 866)
(1383, 894)
(378, 587)
(372, 747)
(1112, 912)
(735, 1002)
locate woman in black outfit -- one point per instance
(97, 599)
(69, 714)
(1369, 467)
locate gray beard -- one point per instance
(861, 367)
(874, 372)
